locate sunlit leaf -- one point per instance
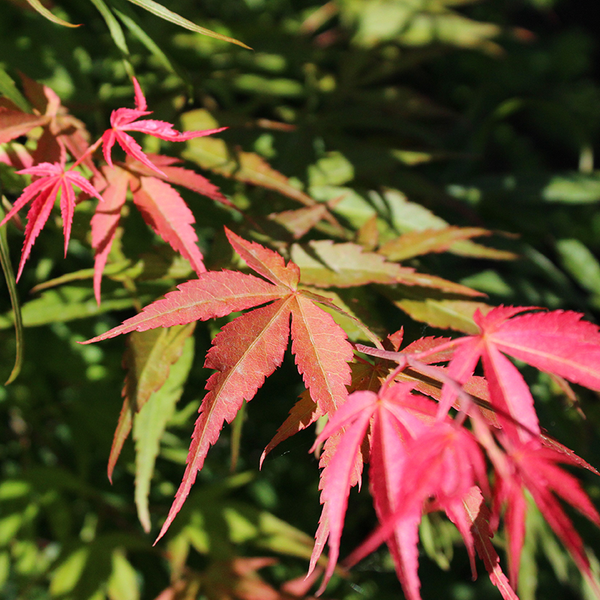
(417, 243)
(580, 263)
(576, 188)
(409, 216)
(164, 13)
(150, 422)
(444, 314)
(123, 583)
(326, 264)
(39, 7)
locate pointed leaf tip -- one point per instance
(140, 99)
(265, 262)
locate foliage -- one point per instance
(355, 154)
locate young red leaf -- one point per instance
(534, 467)
(557, 342)
(396, 416)
(439, 463)
(445, 462)
(428, 379)
(345, 433)
(478, 514)
(52, 180)
(169, 216)
(387, 462)
(127, 119)
(511, 397)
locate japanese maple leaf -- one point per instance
(127, 119)
(441, 464)
(161, 206)
(535, 468)
(252, 346)
(557, 342)
(52, 179)
(395, 416)
(416, 463)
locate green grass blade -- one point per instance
(164, 13)
(39, 7)
(10, 91)
(128, 19)
(9, 276)
(114, 27)
(167, 363)
(116, 32)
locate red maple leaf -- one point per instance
(557, 342)
(126, 119)
(436, 469)
(395, 416)
(416, 464)
(252, 346)
(52, 179)
(534, 468)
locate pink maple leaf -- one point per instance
(556, 342)
(529, 466)
(52, 179)
(395, 416)
(434, 469)
(126, 119)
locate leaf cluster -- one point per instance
(371, 158)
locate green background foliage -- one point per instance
(401, 115)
